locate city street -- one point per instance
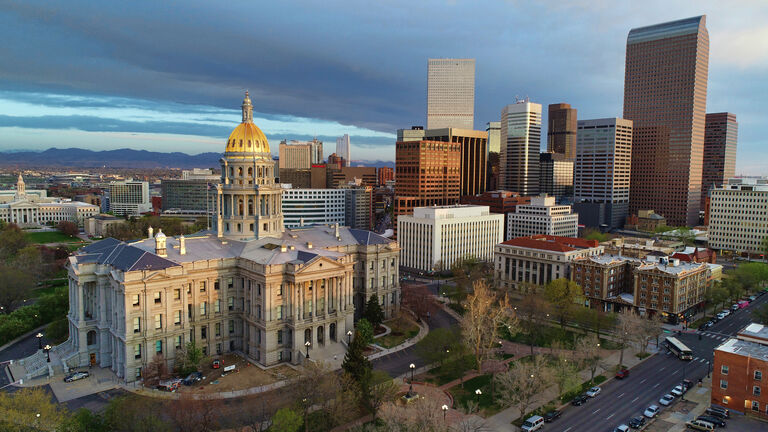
(622, 399)
(21, 349)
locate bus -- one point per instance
(679, 349)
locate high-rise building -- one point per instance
(665, 95)
(300, 154)
(384, 174)
(555, 175)
(474, 153)
(364, 176)
(602, 172)
(561, 130)
(200, 174)
(499, 201)
(304, 207)
(435, 238)
(542, 216)
(343, 147)
(359, 207)
(192, 195)
(129, 197)
(720, 138)
(494, 136)
(520, 143)
(451, 93)
(427, 173)
(737, 214)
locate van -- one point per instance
(533, 423)
(743, 304)
(700, 425)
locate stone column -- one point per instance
(315, 287)
(80, 308)
(326, 297)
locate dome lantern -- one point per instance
(247, 140)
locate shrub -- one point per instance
(364, 330)
(58, 331)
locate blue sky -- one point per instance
(169, 76)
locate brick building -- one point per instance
(738, 369)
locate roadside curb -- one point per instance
(423, 330)
(25, 335)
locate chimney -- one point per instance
(151, 232)
(309, 245)
(337, 230)
(283, 248)
(182, 245)
(301, 222)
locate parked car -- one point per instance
(725, 312)
(623, 373)
(743, 304)
(735, 307)
(579, 400)
(76, 376)
(621, 428)
(651, 411)
(533, 423)
(637, 422)
(677, 391)
(171, 385)
(551, 416)
(666, 399)
(700, 425)
(718, 412)
(594, 391)
(687, 384)
(752, 298)
(705, 326)
(193, 378)
(717, 421)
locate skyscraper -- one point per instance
(520, 143)
(555, 175)
(665, 95)
(602, 172)
(451, 93)
(300, 154)
(561, 130)
(342, 147)
(494, 136)
(720, 138)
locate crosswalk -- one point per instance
(716, 336)
(700, 359)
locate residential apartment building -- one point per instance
(654, 285)
(738, 215)
(520, 143)
(435, 238)
(304, 207)
(129, 197)
(527, 263)
(720, 140)
(602, 172)
(252, 286)
(555, 175)
(665, 95)
(542, 216)
(451, 93)
(561, 130)
(739, 366)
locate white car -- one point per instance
(594, 391)
(651, 411)
(621, 428)
(677, 391)
(666, 399)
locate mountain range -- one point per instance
(121, 158)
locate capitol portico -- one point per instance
(249, 286)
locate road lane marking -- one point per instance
(568, 429)
(635, 399)
(644, 380)
(609, 417)
(595, 411)
(657, 384)
(662, 368)
(620, 396)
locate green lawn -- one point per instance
(546, 337)
(402, 329)
(47, 289)
(43, 237)
(451, 370)
(462, 395)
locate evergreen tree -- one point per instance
(373, 312)
(355, 363)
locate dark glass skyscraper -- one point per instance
(720, 137)
(665, 95)
(561, 130)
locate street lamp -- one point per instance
(478, 392)
(410, 388)
(39, 337)
(307, 344)
(47, 350)
(445, 411)
(349, 337)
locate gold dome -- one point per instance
(247, 137)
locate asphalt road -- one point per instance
(621, 400)
(21, 349)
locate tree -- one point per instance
(422, 414)
(29, 260)
(685, 235)
(316, 386)
(190, 414)
(377, 388)
(564, 296)
(83, 420)
(523, 382)
(627, 325)
(733, 286)
(30, 409)
(531, 316)
(15, 285)
(11, 241)
(760, 314)
(144, 414)
(588, 351)
(355, 363)
(364, 331)
(189, 358)
(68, 228)
(647, 329)
(752, 276)
(156, 371)
(286, 420)
(593, 234)
(373, 312)
(715, 295)
(564, 371)
(466, 271)
(764, 248)
(485, 313)
(417, 298)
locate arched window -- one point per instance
(240, 207)
(250, 171)
(91, 338)
(231, 171)
(250, 207)
(240, 171)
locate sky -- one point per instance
(170, 76)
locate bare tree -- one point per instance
(485, 313)
(565, 371)
(423, 414)
(378, 389)
(317, 386)
(588, 352)
(195, 415)
(471, 424)
(627, 326)
(532, 316)
(648, 329)
(156, 371)
(417, 298)
(523, 382)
